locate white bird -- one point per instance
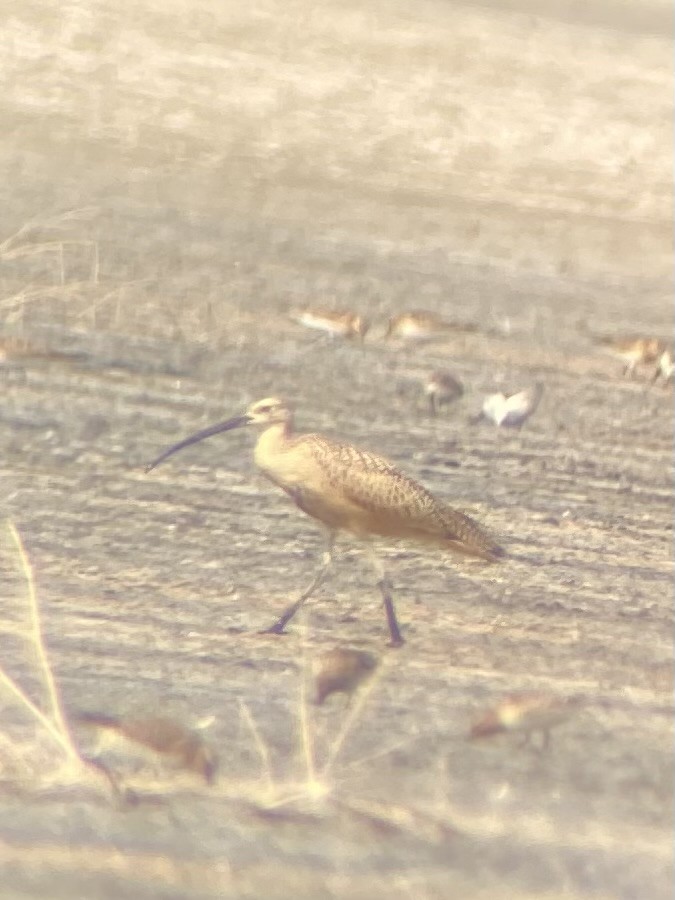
(510, 412)
(665, 367)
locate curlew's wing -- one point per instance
(377, 498)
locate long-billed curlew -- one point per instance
(348, 489)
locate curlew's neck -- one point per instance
(271, 443)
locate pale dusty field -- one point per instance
(175, 178)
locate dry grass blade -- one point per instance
(81, 214)
(389, 818)
(115, 294)
(18, 300)
(260, 746)
(56, 725)
(352, 717)
(33, 249)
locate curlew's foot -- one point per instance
(277, 628)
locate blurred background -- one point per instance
(179, 167)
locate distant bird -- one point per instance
(511, 412)
(164, 736)
(664, 367)
(419, 325)
(349, 489)
(634, 351)
(337, 323)
(442, 388)
(525, 713)
(342, 670)
(17, 348)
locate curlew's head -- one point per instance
(270, 411)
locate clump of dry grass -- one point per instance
(23, 242)
(320, 788)
(35, 756)
(32, 763)
(314, 782)
(52, 267)
(50, 757)
(46, 240)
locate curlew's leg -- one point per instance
(384, 584)
(285, 618)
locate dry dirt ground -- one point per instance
(175, 177)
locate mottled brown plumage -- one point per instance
(342, 670)
(354, 490)
(348, 489)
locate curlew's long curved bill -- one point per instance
(236, 422)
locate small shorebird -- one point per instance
(419, 325)
(442, 388)
(664, 366)
(342, 670)
(337, 323)
(349, 489)
(634, 351)
(165, 737)
(512, 411)
(525, 712)
(18, 348)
